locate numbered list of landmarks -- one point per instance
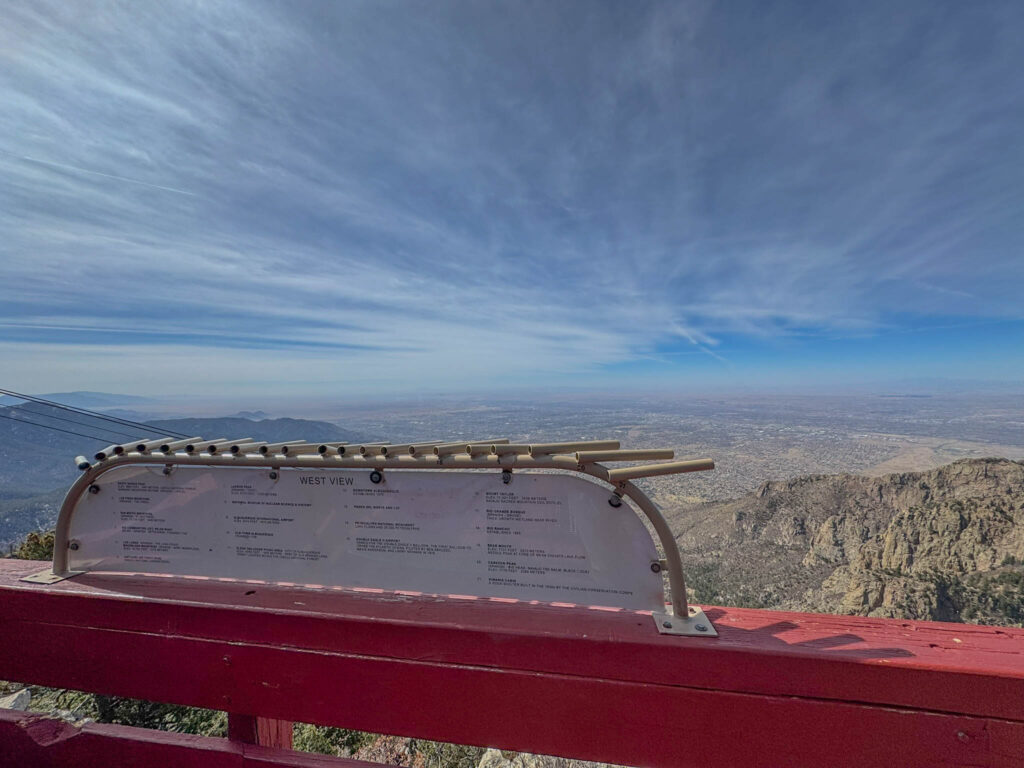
(545, 537)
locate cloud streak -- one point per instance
(462, 192)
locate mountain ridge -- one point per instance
(943, 544)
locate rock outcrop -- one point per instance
(947, 544)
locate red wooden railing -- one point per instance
(774, 689)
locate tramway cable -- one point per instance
(72, 421)
(94, 414)
(55, 429)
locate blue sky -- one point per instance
(323, 198)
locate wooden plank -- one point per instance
(589, 718)
(954, 668)
(33, 740)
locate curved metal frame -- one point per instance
(673, 561)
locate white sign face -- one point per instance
(546, 537)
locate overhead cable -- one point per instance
(55, 429)
(94, 414)
(100, 427)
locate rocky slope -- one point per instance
(947, 544)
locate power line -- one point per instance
(94, 414)
(72, 421)
(55, 429)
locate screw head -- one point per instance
(273, 475)
(700, 627)
(94, 489)
(615, 501)
(506, 477)
(376, 476)
(73, 545)
(656, 567)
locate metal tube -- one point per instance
(171, 447)
(501, 450)
(410, 448)
(677, 582)
(404, 448)
(110, 450)
(271, 448)
(198, 445)
(249, 446)
(587, 445)
(149, 445)
(653, 470)
(584, 457)
(300, 449)
(674, 561)
(215, 446)
(417, 449)
(82, 463)
(447, 449)
(328, 447)
(128, 447)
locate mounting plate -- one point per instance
(47, 577)
(694, 625)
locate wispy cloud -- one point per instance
(456, 192)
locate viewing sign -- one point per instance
(546, 537)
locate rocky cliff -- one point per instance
(947, 544)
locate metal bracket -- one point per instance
(694, 625)
(48, 577)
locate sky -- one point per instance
(332, 198)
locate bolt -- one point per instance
(656, 567)
(506, 477)
(667, 624)
(168, 468)
(73, 545)
(700, 627)
(615, 501)
(273, 475)
(94, 489)
(376, 476)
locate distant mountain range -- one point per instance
(36, 463)
(945, 545)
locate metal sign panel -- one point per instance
(546, 537)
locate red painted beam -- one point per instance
(40, 742)
(260, 730)
(773, 689)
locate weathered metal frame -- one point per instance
(684, 619)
